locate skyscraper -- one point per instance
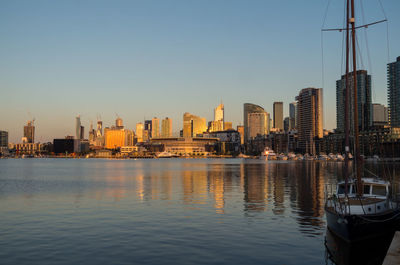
(249, 108)
(380, 115)
(155, 127)
(309, 118)
(363, 101)
(78, 127)
(292, 115)
(393, 81)
(3, 139)
(278, 115)
(219, 113)
(29, 132)
(193, 125)
(139, 132)
(147, 130)
(166, 128)
(99, 130)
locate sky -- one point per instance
(144, 59)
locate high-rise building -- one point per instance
(249, 108)
(147, 130)
(257, 124)
(286, 124)
(119, 123)
(29, 132)
(278, 115)
(292, 115)
(309, 118)
(393, 81)
(82, 132)
(193, 125)
(139, 132)
(155, 127)
(380, 115)
(99, 130)
(228, 125)
(219, 113)
(4, 139)
(78, 127)
(116, 138)
(363, 101)
(166, 128)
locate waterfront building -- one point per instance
(155, 127)
(292, 115)
(229, 142)
(364, 101)
(119, 123)
(310, 119)
(68, 145)
(249, 108)
(258, 124)
(185, 145)
(166, 128)
(139, 132)
(29, 132)
(393, 82)
(379, 115)
(278, 115)
(193, 125)
(115, 138)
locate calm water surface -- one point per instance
(171, 211)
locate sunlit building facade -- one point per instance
(193, 125)
(139, 132)
(278, 115)
(29, 132)
(155, 127)
(249, 108)
(166, 128)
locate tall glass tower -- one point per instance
(393, 81)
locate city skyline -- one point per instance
(145, 60)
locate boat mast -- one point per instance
(356, 140)
(346, 105)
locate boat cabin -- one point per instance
(371, 188)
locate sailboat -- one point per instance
(361, 207)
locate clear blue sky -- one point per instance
(162, 58)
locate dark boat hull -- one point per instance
(361, 227)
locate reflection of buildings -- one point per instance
(254, 183)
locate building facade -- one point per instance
(310, 119)
(155, 127)
(139, 132)
(29, 132)
(166, 128)
(249, 108)
(258, 124)
(393, 82)
(278, 115)
(193, 125)
(292, 115)
(364, 103)
(379, 115)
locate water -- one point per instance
(164, 211)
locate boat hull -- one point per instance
(360, 227)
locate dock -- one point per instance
(393, 253)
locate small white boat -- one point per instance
(268, 154)
(165, 155)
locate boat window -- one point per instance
(379, 190)
(366, 189)
(353, 189)
(341, 189)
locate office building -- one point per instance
(219, 113)
(139, 132)
(363, 101)
(193, 125)
(155, 127)
(393, 82)
(247, 109)
(78, 127)
(29, 132)
(166, 128)
(292, 115)
(286, 124)
(278, 115)
(115, 138)
(99, 130)
(147, 130)
(379, 115)
(309, 119)
(240, 129)
(257, 124)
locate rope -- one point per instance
(379, 221)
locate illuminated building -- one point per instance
(115, 138)
(249, 108)
(166, 128)
(193, 125)
(240, 129)
(258, 124)
(139, 132)
(155, 127)
(119, 124)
